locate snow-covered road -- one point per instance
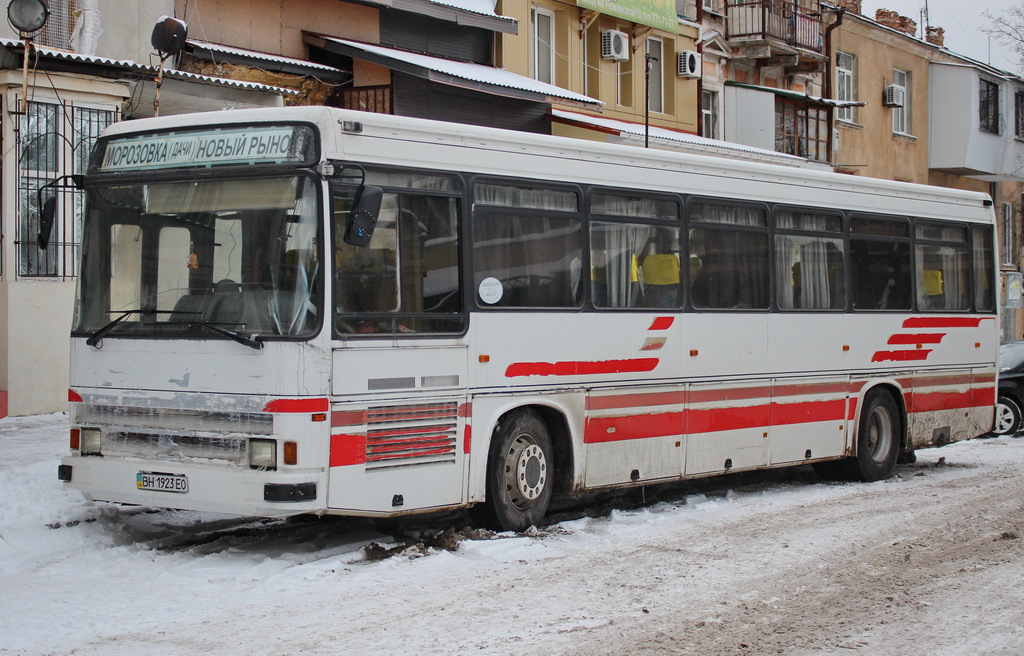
(928, 562)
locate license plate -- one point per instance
(162, 482)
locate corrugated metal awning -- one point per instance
(137, 71)
(455, 73)
(263, 60)
(797, 95)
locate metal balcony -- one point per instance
(775, 20)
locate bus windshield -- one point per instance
(210, 258)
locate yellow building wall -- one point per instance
(869, 146)
(275, 26)
(580, 68)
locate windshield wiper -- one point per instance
(252, 341)
(95, 338)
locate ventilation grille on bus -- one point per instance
(404, 436)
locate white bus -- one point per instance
(312, 310)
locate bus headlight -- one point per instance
(262, 454)
(91, 442)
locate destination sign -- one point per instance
(248, 145)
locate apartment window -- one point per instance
(656, 77)
(901, 115)
(708, 114)
(801, 130)
(708, 5)
(543, 45)
(1018, 114)
(624, 73)
(988, 106)
(1007, 249)
(845, 89)
(54, 140)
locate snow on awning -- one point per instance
(143, 70)
(796, 95)
(217, 51)
(460, 74)
(666, 139)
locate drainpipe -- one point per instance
(827, 91)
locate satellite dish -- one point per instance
(169, 36)
(27, 15)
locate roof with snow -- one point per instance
(456, 73)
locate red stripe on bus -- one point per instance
(638, 365)
(348, 418)
(635, 400)
(467, 439)
(348, 450)
(466, 409)
(932, 381)
(901, 356)
(418, 454)
(917, 338)
(944, 322)
(297, 405)
(653, 344)
(431, 433)
(74, 397)
(662, 323)
(632, 427)
(379, 448)
(984, 397)
(399, 432)
(718, 395)
(951, 400)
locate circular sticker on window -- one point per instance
(490, 290)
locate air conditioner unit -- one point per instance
(894, 96)
(688, 63)
(615, 45)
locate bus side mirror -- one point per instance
(49, 207)
(363, 218)
(46, 223)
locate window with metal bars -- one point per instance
(988, 106)
(53, 140)
(801, 130)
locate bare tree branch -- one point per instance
(1007, 27)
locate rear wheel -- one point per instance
(878, 439)
(519, 473)
(1008, 417)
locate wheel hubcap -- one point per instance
(526, 471)
(880, 434)
(1004, 418)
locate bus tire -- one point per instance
(878, 439)
(520, 473)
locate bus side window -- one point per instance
(943, 267)
(880, 263)
(729, 257)
(410, 267)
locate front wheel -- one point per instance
(878, 439)
(520, 473)
(1008, 417)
